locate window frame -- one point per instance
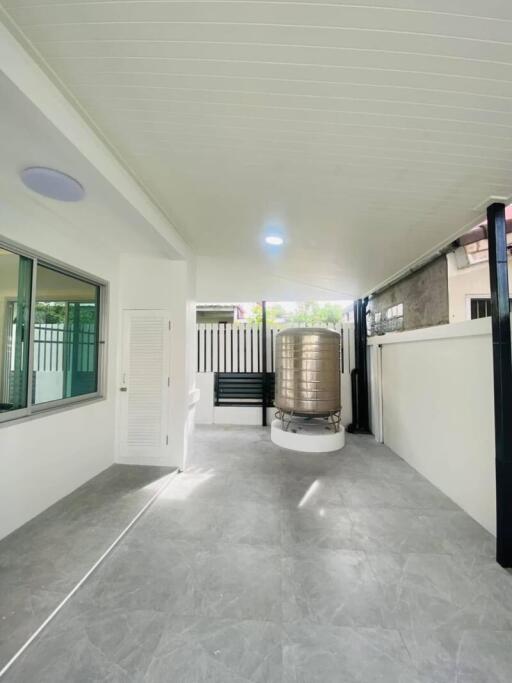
(37, 409)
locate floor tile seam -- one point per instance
(342, 627)
(219, 619)
(218, 542)
(200, 542)
(475, 559)
(35, 635)
(405, 508)
(396, 553)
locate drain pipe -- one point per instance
(264, 388)
(359, 376)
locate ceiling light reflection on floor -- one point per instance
(311, 490)
(185, 484)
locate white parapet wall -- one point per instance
(432, 403)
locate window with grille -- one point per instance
(481, 307)
(50, 331)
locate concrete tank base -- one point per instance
(307, 437)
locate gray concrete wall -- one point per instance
(424, 295)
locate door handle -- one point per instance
(123, 389)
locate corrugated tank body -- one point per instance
(308, 371)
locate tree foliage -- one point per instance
(308, 313)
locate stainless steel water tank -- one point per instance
(308, 371)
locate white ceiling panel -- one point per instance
(369, 133)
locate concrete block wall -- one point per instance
(424, 295)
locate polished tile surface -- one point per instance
(263, 565)
(44, 559)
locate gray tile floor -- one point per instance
(270, 566)
(43, 560)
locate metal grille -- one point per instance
(241, 389)
(481, 308)
(54, 345)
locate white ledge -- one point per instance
(468, 328)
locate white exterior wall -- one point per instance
(437, 409)
(47, 457)
(465, 284)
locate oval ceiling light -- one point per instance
(51, 183)
(274, 240)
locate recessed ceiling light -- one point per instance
(274, 240)
(51, 183)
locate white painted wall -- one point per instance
(437, 406)
(161, 283)
(205, 407)
(467, 283)
(45, 458)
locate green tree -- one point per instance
(275, 314)
(312, 313)
(330, 314)
(50, 312)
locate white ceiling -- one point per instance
(103, 218)
(370, 133)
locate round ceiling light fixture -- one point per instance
(51, 183)
(274, 240)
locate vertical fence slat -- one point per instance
(224, 369)
(271, 350)
(198, 349)
(258, 341)
(239, 347)
(252, 349)
(203, 350)
(231, 349)
(211, 349)
(218, 349)
(245, 349)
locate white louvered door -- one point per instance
(145, 386)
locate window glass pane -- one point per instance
(65, 336)
(15, 288)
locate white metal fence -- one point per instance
(238, 348)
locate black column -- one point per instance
(264, 401)
(359, 375)
(502, 364)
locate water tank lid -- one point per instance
(303, 331)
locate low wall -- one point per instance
(432, 403)
(208, 413)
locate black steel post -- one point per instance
(264, 400)
(359, 376)
(502, 363)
